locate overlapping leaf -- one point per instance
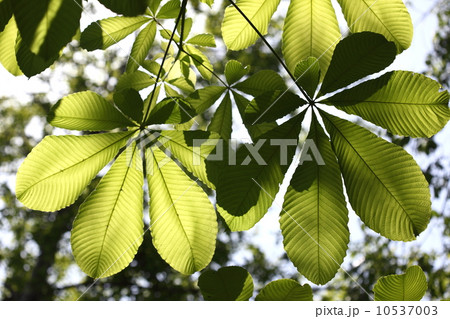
(227, 284)
(307, 74)
(192, 149)
(6, 13)
(285, 290)
(127, 8)
(247, 187)
(47, 26)
(271, 106)
(30, 63)
(357, 56)
(234, 71)
(7, 48)
(261, 82)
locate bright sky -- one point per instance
(266, 232)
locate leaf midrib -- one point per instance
(113, 210)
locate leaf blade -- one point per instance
(184, 232)
(357, 56)
(59, 168)
(236, 31)
(227, 284)
(285, 290)
(104, 33)
(86, 111)
(96, 228)
(402, 102)
(314, 217)
(310, 30)
(380, 179)
(410, 286)
(387, 17)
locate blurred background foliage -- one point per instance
(35, 257)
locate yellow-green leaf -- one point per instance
(109, 227)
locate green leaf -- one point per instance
(237, 33)
(46, 26)
(314, 216)
(411, 286)
(129, 101)
(59, 168)
(246, 190)
(154, 5)
(191, 149)
(86, 111)
(31, 64)
(203, 40)
(261, 82)
(183, 220)
(310, 30)
(204, 98)
(137, 80)
(234, 71)
(186, 30)
(167, 35)
(285, 290)
(141, 47)
(385, 186)
(127, 8)
(171, 110)
(170, 10)
(387, 17)
(271, 106)
(6, 13)
(403, 102)
(307, 73)
(227, 284)
(222, 120)
(104, 33)
(109, 227)
(355, 57)
(201, 62)
(7, 48)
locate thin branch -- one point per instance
(183, 8)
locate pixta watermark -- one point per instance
(230, 152)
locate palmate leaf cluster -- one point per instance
(383, 183)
